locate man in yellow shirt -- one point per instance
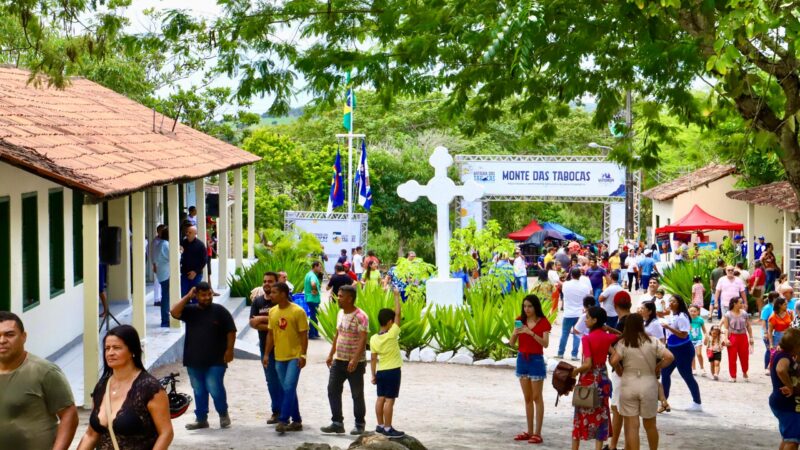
(288, 337)
(386, 362)
(551, 253)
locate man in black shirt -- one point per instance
(259, 320)
(339, 279)
(193, 260)
(342, 257)
(207, 350)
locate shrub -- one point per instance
(678, 279)
(447, 323)
(371, 299)
(326, 320)
(243, 281)
(416, 331)
(482, 326)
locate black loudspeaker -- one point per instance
(212, 205)
(110, 245)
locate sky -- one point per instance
(210, 10)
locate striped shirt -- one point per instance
(350, 327)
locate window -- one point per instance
(30, 251)
(5, 254)
(55, 208)
(658, 221)
(77, 237)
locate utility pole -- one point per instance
(629, 208)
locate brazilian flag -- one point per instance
(349, 106)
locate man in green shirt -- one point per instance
(36, 406)
(311, 291)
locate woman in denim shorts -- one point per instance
(532, 332)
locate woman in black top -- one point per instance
(137, 402)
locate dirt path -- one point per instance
(460, 407)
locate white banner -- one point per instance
(334, 235)
(544, 178)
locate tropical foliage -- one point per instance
(679, 279)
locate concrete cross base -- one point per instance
(445, 292)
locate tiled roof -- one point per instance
(90, 138)
(688, 182)
(778, 195)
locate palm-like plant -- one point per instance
(447, 323)
(482, 326)
(416, 331)
(679, 278)
(326, 320)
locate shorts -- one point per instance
(388, 382)
(531, 366)
(715, 356)
(640, 397)
(616, 384)
(788, 424)
(698, 343)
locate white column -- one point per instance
(238, 242)
(119, 282)
(251, 212)
(139, 265)
(223, 234)
(749, 229)
(785, 249)
(200, 193)
(173, 223)
(91, 289)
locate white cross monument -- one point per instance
(441, 191)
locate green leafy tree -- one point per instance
(486, 242)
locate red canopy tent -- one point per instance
(699, 220)
(526, 231)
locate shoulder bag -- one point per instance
(587, 396)
(110, 425)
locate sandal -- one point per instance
(523, 436)
(535, 439)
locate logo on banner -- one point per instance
(606, 178)
(483, 176)
(337, 237)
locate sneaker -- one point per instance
(196, 425)
(391, 433)
(379, 429)
(358, 430)
(280, 428)
(575, 358)
(273, 419)
(559, 356)
(333, 428)
(694, 407)
(225, 421)
(295, 426)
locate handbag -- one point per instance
(108, 416)
(563, 382)
(586, 396)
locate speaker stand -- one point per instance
(105, 322)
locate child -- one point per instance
(580, 329)
(661, 303)
(385, 364)
(696, 333)
(714, 344)
(698, 292)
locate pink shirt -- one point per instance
(350, 327)
(697, 294)
(729, 289)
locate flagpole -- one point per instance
(350, 165)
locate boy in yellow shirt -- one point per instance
(385, 364)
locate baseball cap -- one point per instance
(761, 238)
(622, 299)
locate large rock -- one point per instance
(311, 446)
(427, 355)
(511, 362)
(484, 362)
(444, 357)
(374, 441)
(414, 355)
(465, 351)
(460, 359)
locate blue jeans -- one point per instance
(187, 284)
(772, 275)
(645, 281)
(164, 302)
(289, 375)
(273, 383)
(313, 333)
(566, 328)
(684, 354)
(596, 293)
(208, 380)
(767, 354)
(522, 283)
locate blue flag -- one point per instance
(336, 197)
(364, 190)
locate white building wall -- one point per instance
(56, 321)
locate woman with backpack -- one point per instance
(593, 422)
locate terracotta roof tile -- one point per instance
(778, 195)
(689, 182)
(92, 139)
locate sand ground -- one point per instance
(466, 407)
